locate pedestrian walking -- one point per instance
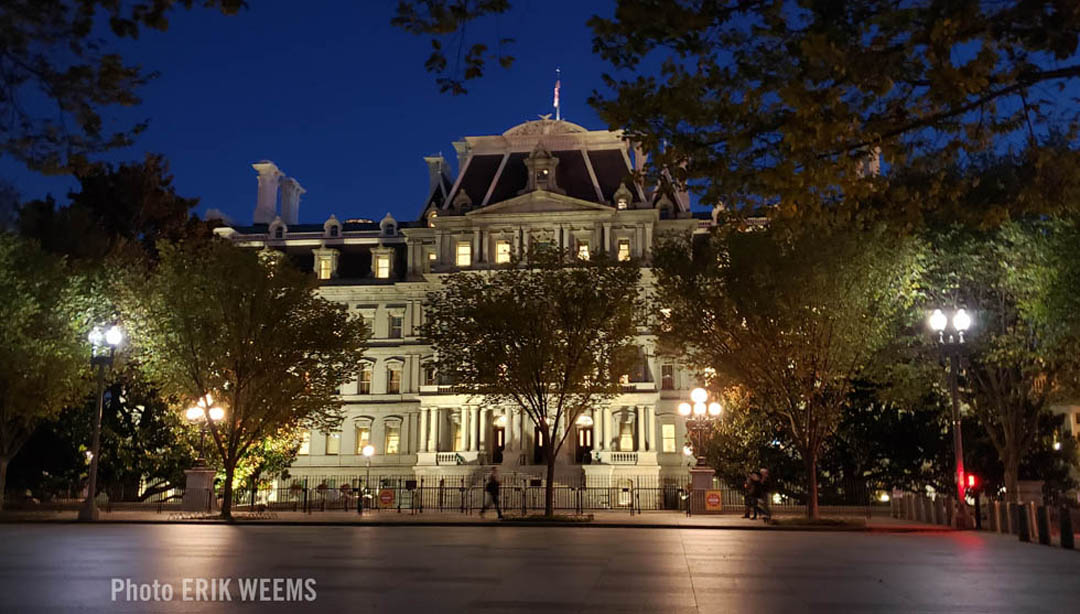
(491, 494)
(763, 490)
(750, 487)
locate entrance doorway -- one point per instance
(584, 444)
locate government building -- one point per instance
(545, 181)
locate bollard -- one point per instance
(1007, 518)
(1023, 531)
(1042, 520)
(1066, 529)
(978, 512)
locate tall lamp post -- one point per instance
(201, 415)
(950, 329)
(368, 452)
(103, 344)
(699, 419)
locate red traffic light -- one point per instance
(972, 481)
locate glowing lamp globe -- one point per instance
(369, 450)
(96, 337)
(938, 321)
(216, 413)
(961, 321)
(684, 409)
(699, 395)
(194, 413)
(714, 409)
(114, 336)
(699, 409)
(688, 451)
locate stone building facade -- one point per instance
(541, 181)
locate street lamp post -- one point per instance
(951, 341)
(201, 415)
(368, 452)
(103, 344)
(699, 419)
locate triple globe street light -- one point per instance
(203, 413)
(699, 419)
(103, 344)
(950, 329)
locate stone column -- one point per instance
(466, 428)
(424, 443)
(474, 428)
(650, 431)
(608, 245)
(508, 431)
(485, 418)
(436, 427)
(476, 247)
(639, 419)
(647, 246)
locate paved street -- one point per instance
(64, 568)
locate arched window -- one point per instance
(279, 232)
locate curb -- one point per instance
(515, 524)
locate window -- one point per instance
(333, 443)
(624, 250)
(279, 233)
(1077, 417)
(667, 377)
(583, 250)
(305, 443)
(456, 436)
(393, 438)
(429, 375)
(626, 437)
(369, 326)
(382, 267)
(393, 379)
(395, 327)
(333, 231)
(363, 438)
(324, 268)
(464, 253)
(502, 252)
(621, 203)
(668, 435)
(364, 385)
(432, 256)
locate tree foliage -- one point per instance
(58, 75)
(791, 317)
(250, 331)
(43, 355)
(549, 339)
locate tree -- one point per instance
(251, 332)
(43, 356)
(58, 76)
(791, 316)
(549, 339)
(759, 102)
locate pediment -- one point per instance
(540, 201)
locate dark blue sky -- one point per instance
(336, 97)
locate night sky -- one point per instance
(336, 97)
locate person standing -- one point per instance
(749, 493)
(491, 494)
(763, 498)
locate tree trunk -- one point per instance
(226, 491)
(3, 479)
(1012, 476)
(549, 487)
(811, 486)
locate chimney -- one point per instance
(266, 204)
(435, 166)
(290, 200)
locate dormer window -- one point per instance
(431, 218)
(583, 250)
(388, 226)
(332, 228)
(621, 203)
(279, 232)
(382, 267)
(333, 231)
(623, 197)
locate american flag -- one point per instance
(556, 103)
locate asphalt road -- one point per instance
(68, 568)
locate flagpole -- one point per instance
(558, 79)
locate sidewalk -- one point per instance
(601, 519)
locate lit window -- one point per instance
(431, 218)
(668, 432)
(393, 380)
(363, 438)
(324, 268)
(626, 437)
(395, 327)
(667, 377)
(432, 256)
(429, 375)
(583, 250)
(364, 387)
(621, 203)
(464, 253)
(333, 443)
(305, 443)
(502, 252)
(382, 267)
(624, 250)
(393, 438)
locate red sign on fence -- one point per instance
(714, 502)
(386, 497)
